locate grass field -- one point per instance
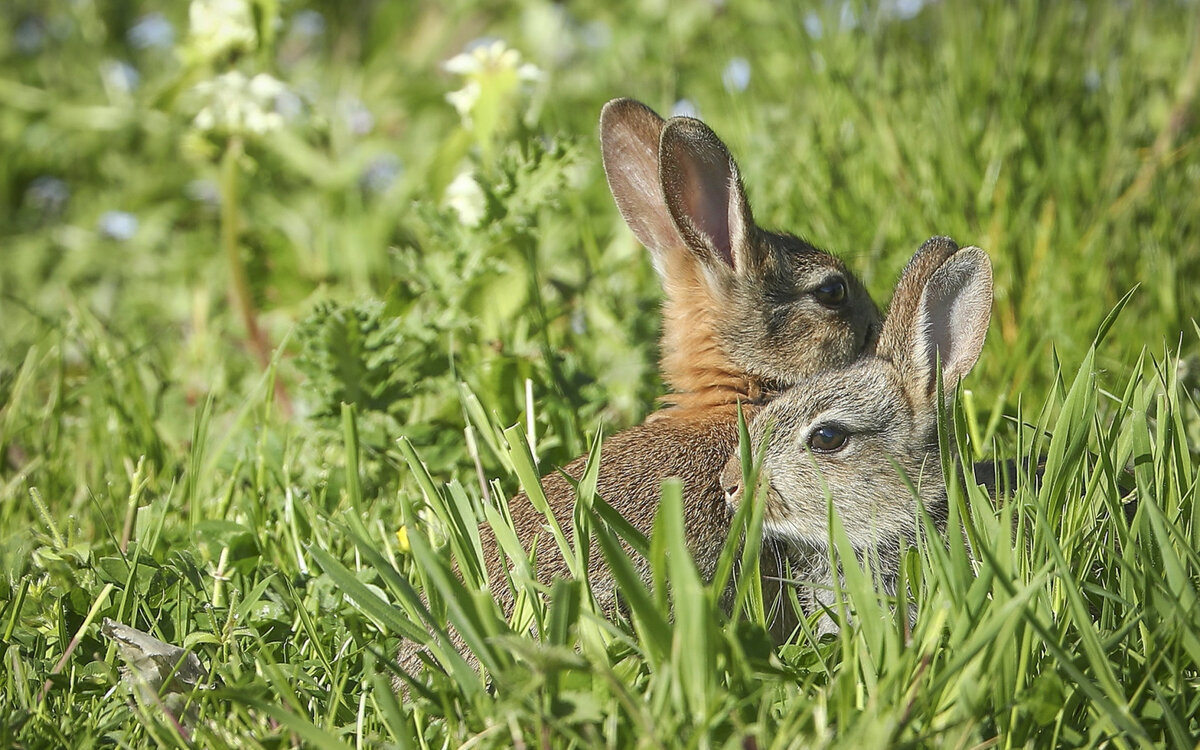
(253, 327)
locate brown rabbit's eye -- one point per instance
(832, 293)
(828, 438)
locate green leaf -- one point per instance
(306, 730)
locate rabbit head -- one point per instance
(748, 311)
(842, 435)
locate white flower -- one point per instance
(217, 27)
(266, 87)
(203, 191)
(48, 195)
(239, 105)
(491, 55)
(464, 99)
(309, 24)
(465, 198)
(359, 119)
(488, 65)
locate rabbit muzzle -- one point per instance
(731, 482)
(733, 496)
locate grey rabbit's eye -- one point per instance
(832, 293)
(828, 438)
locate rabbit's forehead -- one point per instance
(797, 260)
(867, 400)
(865, 396)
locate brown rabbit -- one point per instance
(747, 313)
(842, 434)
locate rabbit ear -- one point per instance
(629, 136)
(951, 321)
(896, 333)
(704, 194)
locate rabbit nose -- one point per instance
(733, 495)
(872, 337)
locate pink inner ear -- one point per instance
(706, 190)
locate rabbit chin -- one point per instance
(814, 578)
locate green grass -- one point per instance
(154, 472)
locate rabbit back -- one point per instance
(689, 444)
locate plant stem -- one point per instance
(240, 291)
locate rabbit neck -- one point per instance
(694, 364)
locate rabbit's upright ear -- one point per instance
(901, 316)
(951, 321)
(939, 312)
(704, 194)
(629, 136)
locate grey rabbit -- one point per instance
(842, 435)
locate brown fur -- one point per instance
(691, 444)
(741, 315)
(693, 363)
